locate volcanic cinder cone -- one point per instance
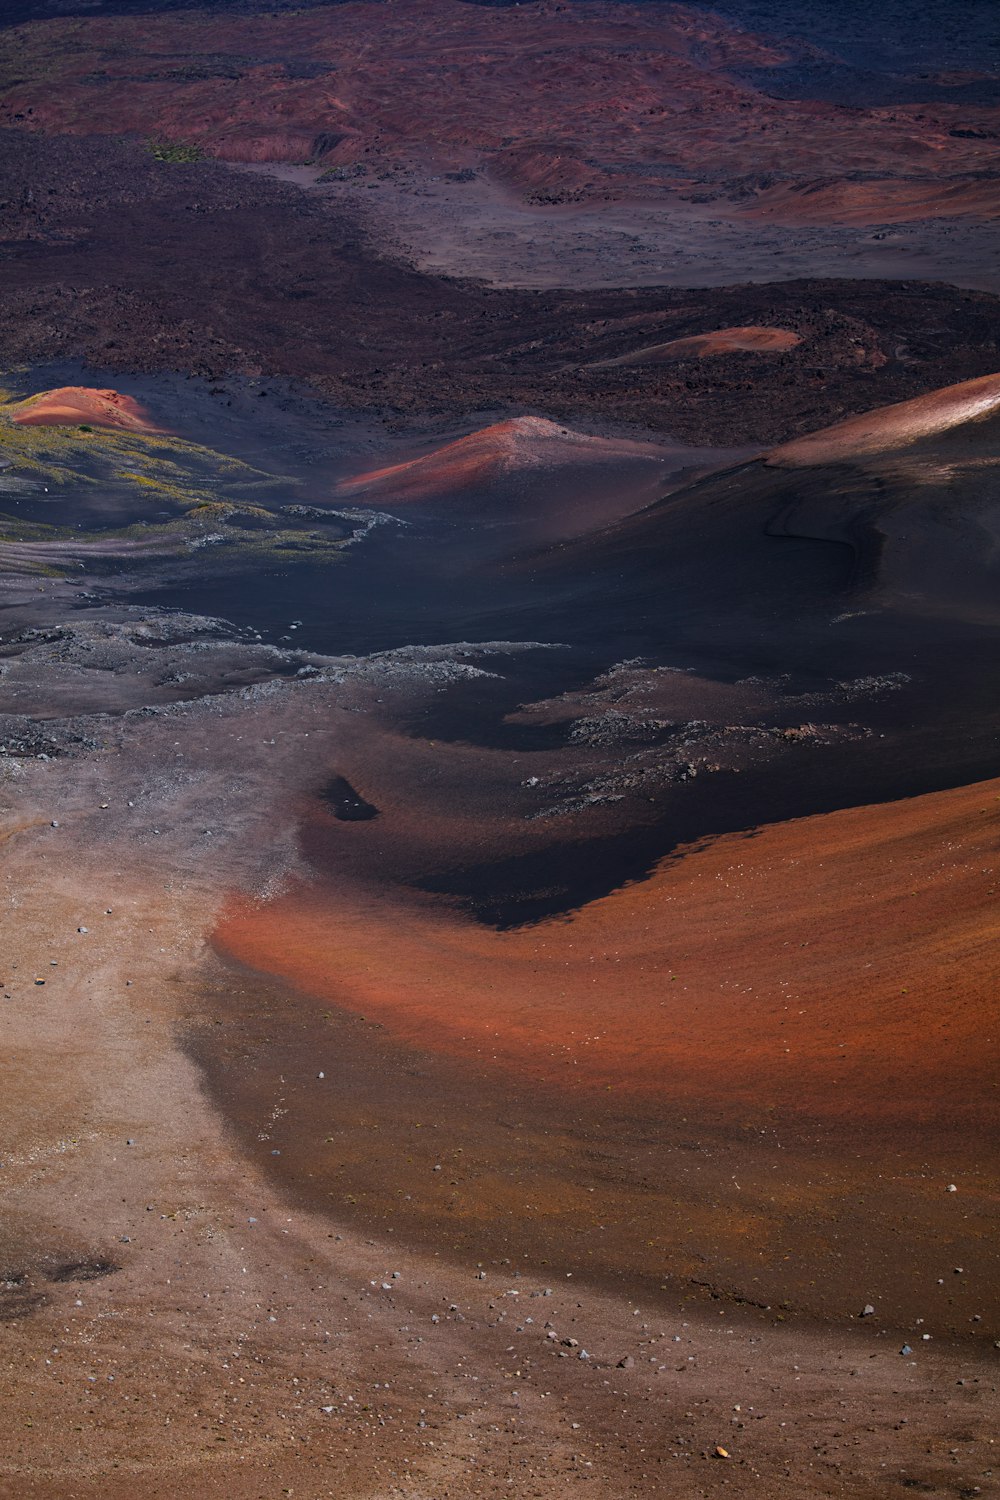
(891, 427)
(81, 406)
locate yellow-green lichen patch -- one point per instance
(14, 529)
(240, 532)
(166, 470)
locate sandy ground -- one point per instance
(479, 229)
(313, 1184)
(173, 1319)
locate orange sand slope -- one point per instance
(890, 427)
(79, 405)
(750, 340)
(503, 448)
(842, 966)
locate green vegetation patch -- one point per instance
(146, 475)
(176, 151)
(167, 470)
(13, 529)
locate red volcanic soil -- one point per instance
(559, 102)
(472, 460)
(892, 427)
(78, 405)
(704, 345)
(838, 967)
(877, 201)
(506, 447)
(447, 79)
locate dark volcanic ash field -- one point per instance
(498, 726)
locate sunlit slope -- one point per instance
(896, 511)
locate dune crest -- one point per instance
(749, 340)
(82, 406)
(890, 427)
(504, 447)
(442, 982)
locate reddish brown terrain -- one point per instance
(74, 405)
(479, 458)
(728, 987)
(893, 427)
(719, 341)
(306, 1240)
(878, 200)
(499, 632)
(674, 958)
(587, 481)
(545, 145)
(552, 101)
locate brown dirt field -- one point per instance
(257, 1339)
(480, 228)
